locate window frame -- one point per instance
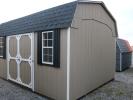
(50, 47)
(2, 46)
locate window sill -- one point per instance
(47, 63)
(1, 57)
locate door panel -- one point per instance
(25, 47)
(13, 46)
(20, 54)
(25, 71)
(13, 69)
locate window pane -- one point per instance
(50, 35)
(45, 36)
(50, 51)
(49, 58)
(1, 44)
(50, 42)
(1, 51)
(1, 39)
(45, 51)
(45, 58)
(45, 42)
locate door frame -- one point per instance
(31, 36)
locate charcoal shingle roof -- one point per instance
(57, 17)
(124, 45)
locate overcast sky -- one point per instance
(122, 11)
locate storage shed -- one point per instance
(123, 55)
(62, 52)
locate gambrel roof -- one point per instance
(57, 17)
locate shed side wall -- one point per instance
(3, 68)
(126, 60)
(51, 81)
(118, 58)
(92, 50)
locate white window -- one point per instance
(1, 46)
(47, 47)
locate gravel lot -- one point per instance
(119, 89)
(10, 91)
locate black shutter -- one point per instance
(4, 49)
(57, 48)
(39, 48)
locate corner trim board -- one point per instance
(68, 63)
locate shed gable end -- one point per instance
(96, 12)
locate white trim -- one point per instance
(47, 31)
(50, 63)
(7, 56)
(68, 63)
(32, 60)
(52, 47)
(42, 46)
(18, 57)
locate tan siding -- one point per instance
(92, 50)
(3, 68)
(51, 81)
(93, 11)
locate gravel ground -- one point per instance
(119, 89)
(10, 91)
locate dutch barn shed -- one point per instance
(62, 52)
(123, 55)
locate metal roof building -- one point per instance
(123, 55)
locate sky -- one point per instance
(121, 10)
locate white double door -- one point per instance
(20, 59)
